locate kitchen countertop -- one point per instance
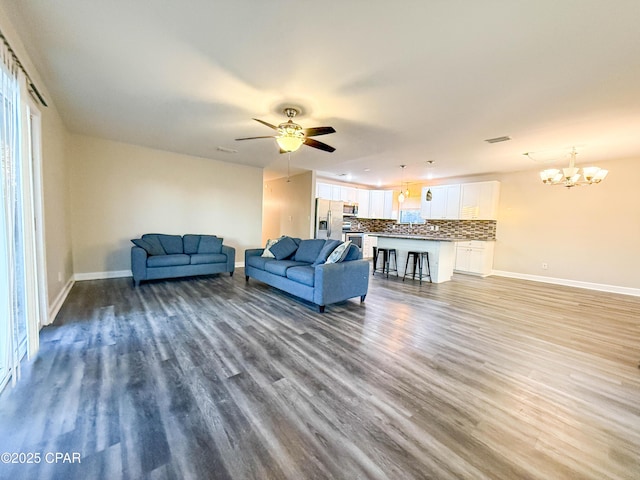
(425, 237)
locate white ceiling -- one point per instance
(402, 82)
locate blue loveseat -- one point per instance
(305, 273)
(157, 256)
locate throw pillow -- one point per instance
(210, 244)
(284, 248)
(339, 253)
(267, 249)
(138, 242)
(153, 240)
(308, 250)
(172, 244)
(329, 247)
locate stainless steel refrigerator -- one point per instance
(328, 219)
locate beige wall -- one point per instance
(587, 234)
(289, 207)
(57, 203)
(55, 185)
(122, 191)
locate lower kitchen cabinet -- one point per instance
(368, 243)
(475, 257)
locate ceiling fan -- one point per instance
(291, 135)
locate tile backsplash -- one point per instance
(471, 229)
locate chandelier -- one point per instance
(570, 176)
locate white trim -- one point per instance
(570, 283)
(56, 305)
(79, 277)
(101, 275)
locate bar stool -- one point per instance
(418, 261)
(387, 254)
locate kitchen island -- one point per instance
(442, 252)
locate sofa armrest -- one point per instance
(252, 252)
(336, 282)
(138, 264)
(230, 252)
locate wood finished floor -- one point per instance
(214, 378)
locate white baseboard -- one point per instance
(116, 274)
(56, 305)
(570, 283)
(102, 275)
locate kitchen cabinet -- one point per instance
(387, 211)
(337, 193)
(349, 194)
(368, 243)
(362, 198)
(381, 204)
(445, 203)
(376, 203)
(479, 201)
(474, 257)
(323, 190)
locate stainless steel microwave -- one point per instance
(350, 210)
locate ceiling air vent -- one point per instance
(498, 139)
(226, 150)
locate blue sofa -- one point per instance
(305, 273)
(156, 256)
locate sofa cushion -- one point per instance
(172, 244)
(168, 260)
(210, 244)
(284, 248)
(329, 247)
(267, 249)
(190, 243)
(305, 274)
(258, 262)
(153, 240)
(339, 253)
(308, 250)
(280, 267)
(200, 258)
(353, 253)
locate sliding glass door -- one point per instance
(19, 294)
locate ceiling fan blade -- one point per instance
(319, 145)
(314, 132)
(266, 123)
(251, 138)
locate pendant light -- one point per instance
(401, 196)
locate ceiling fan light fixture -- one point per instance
(289, 143)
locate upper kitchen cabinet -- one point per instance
(362, 196)
(381, 204)
(349, 194)
(479, 201)
(338, 193)
(323, 190)
(444, 204)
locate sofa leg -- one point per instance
(321, 308)
(246, 278)
(136, 283)
(362, 297)
(231, 274)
